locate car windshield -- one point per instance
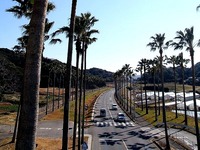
(121, 115)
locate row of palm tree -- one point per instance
(79, 31)
(182, 40)
(82, 38)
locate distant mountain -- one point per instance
(106, 75)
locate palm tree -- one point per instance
(30, 102)
(123, 86)
(182, 63)
(126, 70)
(68, 77)
(24, 8)
(174, 61)
(157, 69)
(153, 70)
(186, 39)
(158, 43)
(130, 74)
(145, 62)
(87, 40)
(117, 77)
(139, 69)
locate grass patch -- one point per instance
(170, 117)
(90, 100)
(9, 108)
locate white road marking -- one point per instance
(45, 128)
(129, 124)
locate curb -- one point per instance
(89, 141)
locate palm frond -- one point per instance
(54, 41)
(197, 9)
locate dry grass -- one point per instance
(8, 118)
(56, 115)
(42, 144)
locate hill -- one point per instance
(52, 72)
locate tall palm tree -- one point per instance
(87, 40)
(174, 61)
(158, 43)
(30, 102)
(24, 9)
(68, 77)
(186, 39)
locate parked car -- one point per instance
(114, 106)
(102, 112)
(121, 117)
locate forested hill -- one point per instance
(11, 72)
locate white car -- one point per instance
(121, 117)
(114, 106)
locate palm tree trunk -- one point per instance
(154, 89)
(68, 77)
(80, 102)
(130, 103)
(194, 99)
(184, 99)
(28, 120)
(175, 90)
(145, 91)
(76, 101)
(141, 90)
(163, 104)
(84, 90)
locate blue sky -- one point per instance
(125, 28)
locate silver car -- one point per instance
(114, 106)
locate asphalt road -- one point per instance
(109, 134)
(52, 129)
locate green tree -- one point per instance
(158, 43)
(186, 40)
(30, 103)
